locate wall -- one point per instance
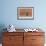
(8, 13)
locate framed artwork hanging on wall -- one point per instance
(25, 13)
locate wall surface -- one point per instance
(8, 13)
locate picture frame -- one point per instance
(25, 13)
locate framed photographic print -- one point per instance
(25, 13)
